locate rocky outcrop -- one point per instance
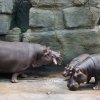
(65, 25)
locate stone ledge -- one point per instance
(51, 3)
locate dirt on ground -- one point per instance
(52, 87)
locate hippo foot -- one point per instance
(14, 77)
(97, 87)
(14, 81)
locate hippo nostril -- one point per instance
(76, 85)
(73, 86)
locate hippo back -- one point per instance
(78, 60)
(15, 56)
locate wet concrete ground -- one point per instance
(44, 88)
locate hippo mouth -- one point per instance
(57, 61)
(56, 57)
(73, 86)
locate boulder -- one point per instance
(5, 21)
(13, 35)
(70, 42)
(80, 17)
(6, 6)
(45, 19)
(94, 3)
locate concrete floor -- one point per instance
(44, 88)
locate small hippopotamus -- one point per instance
(76, 61)
(16, 57)
(81, 73)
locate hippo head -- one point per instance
(47, 56)
(68, 71)
(72, 84)
(77, 77)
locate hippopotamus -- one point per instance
(76, 61)
(90, 67)
(16, 57)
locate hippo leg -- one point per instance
(88, 80)
(14, 78)
(97, 86)
(96, 80)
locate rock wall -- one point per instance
(6, 10)
(66, 25)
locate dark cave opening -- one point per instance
(98, 23)
(20, 17)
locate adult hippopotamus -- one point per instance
(76, 61)
(90, 67)
(15, 57)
